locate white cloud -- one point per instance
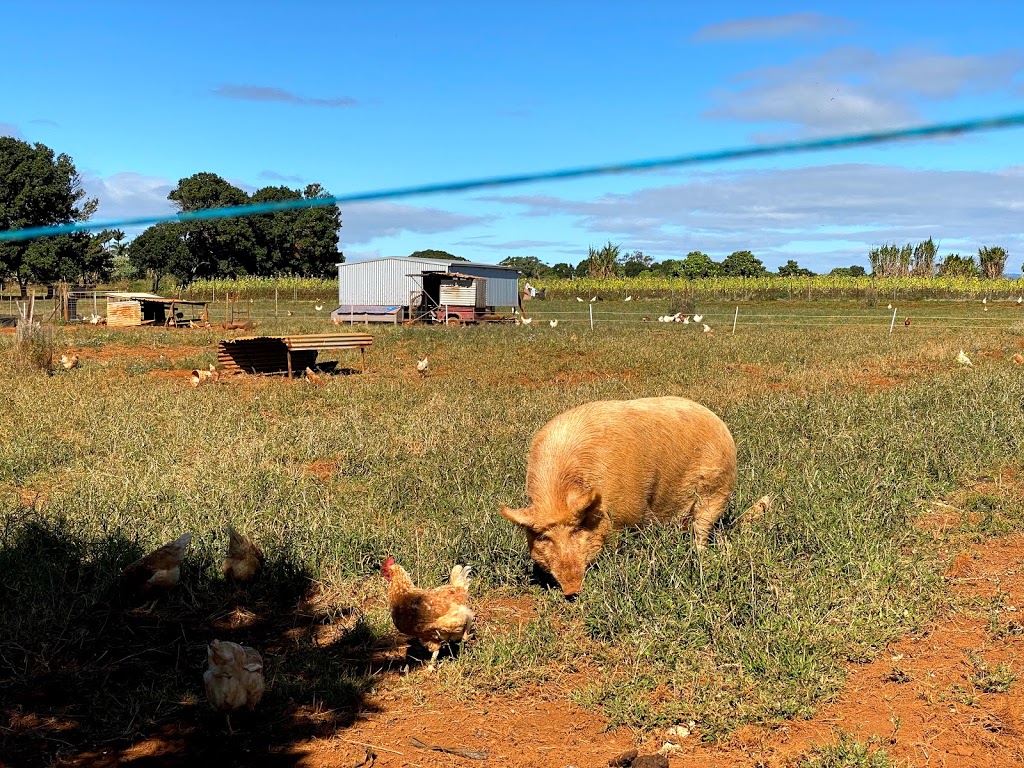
(363, 222)
(808, 24)
(853, 89)
(129, 195)
(820, 215)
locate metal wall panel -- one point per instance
(383, 282)
(502, 284)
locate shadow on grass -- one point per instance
(85, 683)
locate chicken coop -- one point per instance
(391, 290)
(134, 309)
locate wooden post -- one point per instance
(591, 317)
(893, 323)
(289, 354)
(734, 319)
(275, 301)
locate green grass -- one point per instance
(331, 480)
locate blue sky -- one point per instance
(365, 96)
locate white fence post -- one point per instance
(591, 317)
(893, 323)
(734, 319)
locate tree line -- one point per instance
(40, 188)
(889, 260)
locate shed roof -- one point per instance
(129, 296)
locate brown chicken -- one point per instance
(67, 362)
(151, 576)
(432, 616)
(244, 559)
(314, 378)
(233, 679)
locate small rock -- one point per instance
(625, 760)
(668, 748)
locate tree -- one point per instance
(993, 261)
(855, 271)
(697, 265)
(529, 266)
(430, 253)
(792, 269)
(39, 189)
(923, 264)
(564, 270)
(161, 250)
(891, 260)
(602, 263)
(956, 265)
(743, 264)
(668, 268)
(635, 263)
(302, 241)
(222, 247)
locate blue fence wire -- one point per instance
(931, 131)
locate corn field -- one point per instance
(772, 287)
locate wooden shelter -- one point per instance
(285, 354)
(130, 309)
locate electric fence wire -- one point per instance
(929, 131)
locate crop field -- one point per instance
(888, 461)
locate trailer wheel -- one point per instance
(453, 320)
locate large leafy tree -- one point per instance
(37, 189)
(529, 267)
(792, 269)
(743, 264)
(635, 263)
(698, 264)
(316, 236)
(162, 250)
(221, 247)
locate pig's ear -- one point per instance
(585, 505)
(518, 516)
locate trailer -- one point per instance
(397, 290)
(452, 298)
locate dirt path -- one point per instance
(930, 699)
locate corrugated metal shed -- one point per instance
(387, 281)
(383, 282)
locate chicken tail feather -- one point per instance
(460, 576)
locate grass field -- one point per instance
(855, 432)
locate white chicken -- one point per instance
(707, 328)
(318, 307)
(422, 366)
(527, 320)
(67, 362)
(579, 299)
(233, 678)
(628, 298)
(963, 359)
(553, 323)
(698, 318)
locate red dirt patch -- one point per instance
(324, 469)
